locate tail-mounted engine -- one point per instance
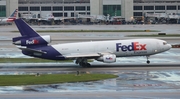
(26, 41)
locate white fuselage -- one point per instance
(32, 44)
(121, 48)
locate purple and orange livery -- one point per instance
(135, 46)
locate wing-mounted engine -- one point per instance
(108, 58)
(26, 41)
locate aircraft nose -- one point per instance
(169, 46)
(166, 47)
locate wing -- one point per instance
(77, 55)
(85, 55)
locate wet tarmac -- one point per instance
(136, 79)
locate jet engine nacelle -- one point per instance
(41, 40)
(109, 58)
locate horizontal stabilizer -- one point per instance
(32, 50)
(18, 38)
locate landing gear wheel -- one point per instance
(78, 60)
(84, 64)
(88, 65)
(148, 62)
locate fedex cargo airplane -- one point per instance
(10, 19)
(32, 44)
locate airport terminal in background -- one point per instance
(149, 11)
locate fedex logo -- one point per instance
(109, 58)
(29, 42)
(134, 46)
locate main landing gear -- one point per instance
(148, 62)
(82, 62)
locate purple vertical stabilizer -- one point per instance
(29, 37)
(32, 44)
(25, 29)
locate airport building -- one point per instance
(71, 8)
(125, 9)
(7, 7)
(2, 8)
(155, 6)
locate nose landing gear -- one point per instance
(148, 61)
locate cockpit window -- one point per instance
(164, 43)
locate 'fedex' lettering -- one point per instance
(135, 46)
(29, 42)
(109, 58)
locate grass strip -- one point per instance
(155, 35)
(95, 31)
(16, 80)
